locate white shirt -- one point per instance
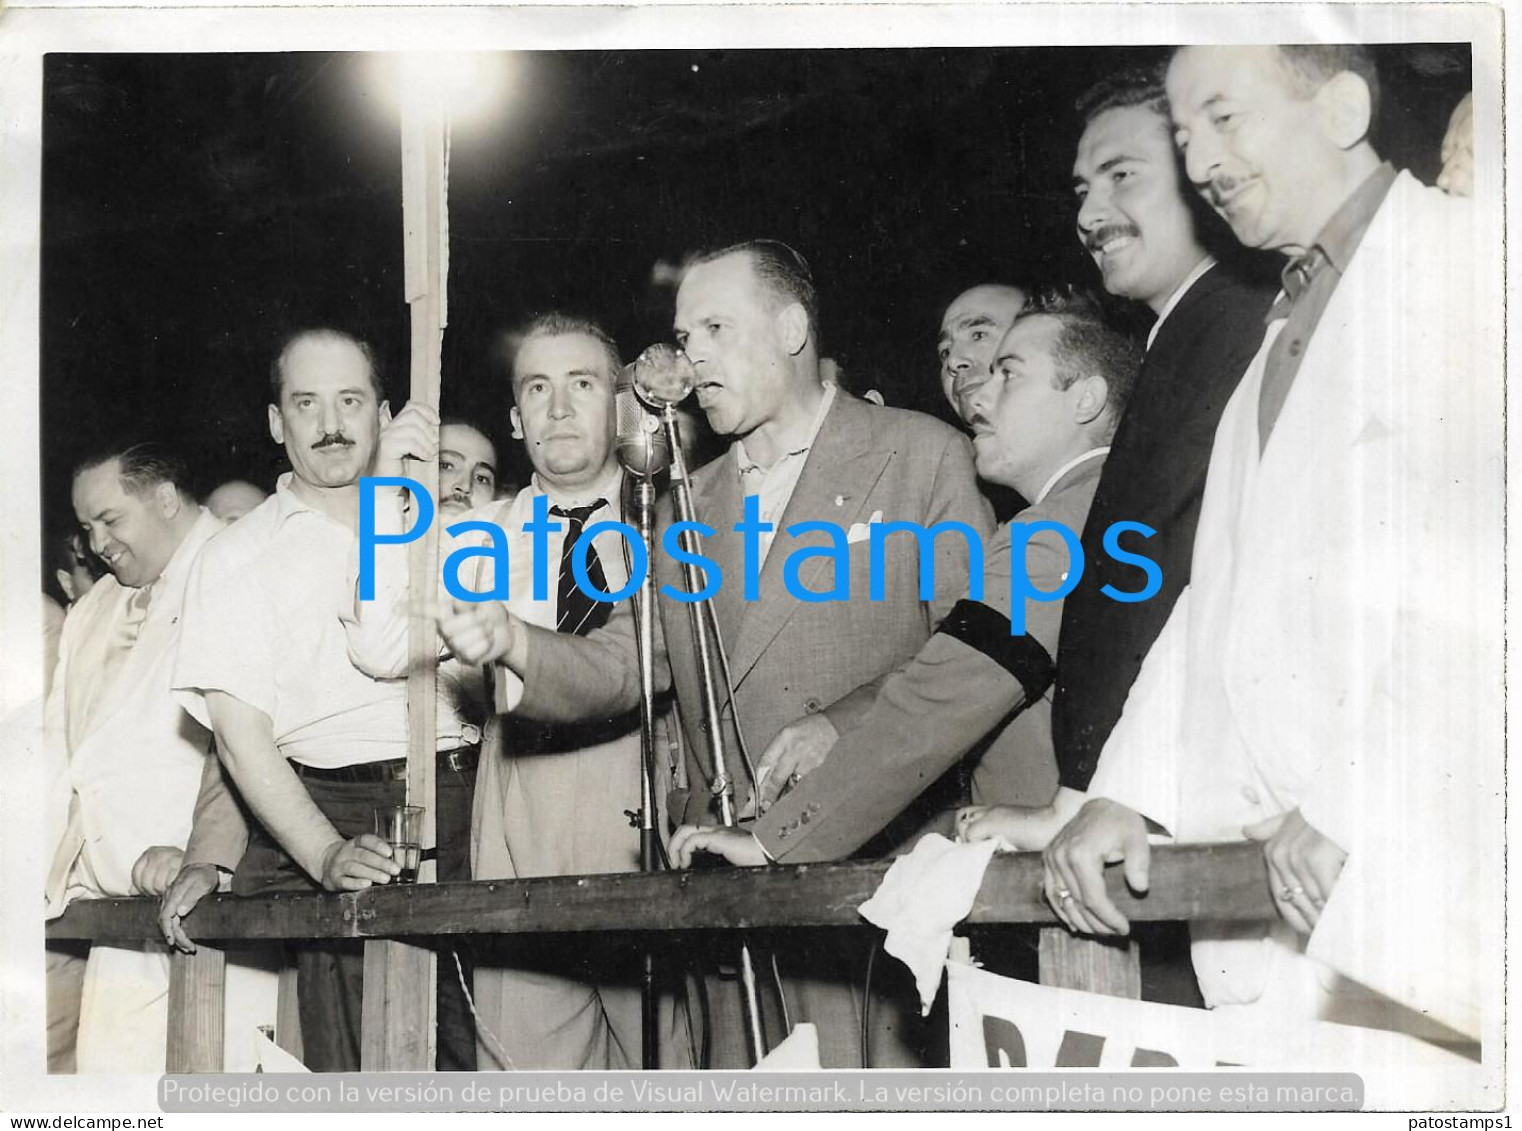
(263, 623)
(774, 485)
(378, 641)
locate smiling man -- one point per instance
(1329, 682)
(1146, 234)
(129, 760)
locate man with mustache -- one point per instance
(747, 317)
(1329, 683)
(1147, 237)
(312, 744)
(467, 468)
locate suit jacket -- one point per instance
(553, 800)
(1341, 655)
(1155, 474)
(789, 658)
(968, 679)
(136, 767)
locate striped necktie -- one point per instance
(579, 614)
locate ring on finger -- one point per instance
(1063, 895)
(1288, 893)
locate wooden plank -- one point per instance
(424, 236)
(397, 1027)
(1227, 881)
(288, 1011)
(1100, 966)
(197, 984)
(305, 915)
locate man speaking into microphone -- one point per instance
(747, 318)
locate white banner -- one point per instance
(1004, 1023)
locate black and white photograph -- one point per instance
(564, 556)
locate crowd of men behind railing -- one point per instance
(1315, 453)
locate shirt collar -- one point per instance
(748, 465)
(1336, 243)
(1046, 489)
(287, 502)
(609, 487)
(206, 525)
(1183, 288)
(1345, 230)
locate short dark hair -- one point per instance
(1309, 66)
(450, 419)
(782, 270)
(1136, 85)
(557, 323)
(68, 549)
(324, 334)
(1088, 341)
(141, 466)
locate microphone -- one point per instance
(642, 447)
(662, 376)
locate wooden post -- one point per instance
(1076, 962)
(288, 1010)
(196, 1005)
(400, 979)
(397, 1028)
(425, 224)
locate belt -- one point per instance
(462, 760)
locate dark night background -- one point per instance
(197, 206)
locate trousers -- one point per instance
(330, 972)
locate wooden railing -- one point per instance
(1220, 882)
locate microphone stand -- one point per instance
(705, 643)
(644, 623)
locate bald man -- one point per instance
(234, 499)
(970, 330)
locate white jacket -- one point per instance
(1339, 648)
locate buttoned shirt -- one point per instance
(1309, 281)
(263, 623)
(379, 641)
(774, 485)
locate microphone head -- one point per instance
(662, 375)
(642, 447)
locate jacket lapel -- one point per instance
(160, 625)
(717, 503)
(841, 465)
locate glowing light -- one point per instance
(468, 85)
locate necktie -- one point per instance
(579, 614)
(1280, 372)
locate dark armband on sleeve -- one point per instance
(987, 630)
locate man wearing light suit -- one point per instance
(1329, 682)
(551, 800)
(129, 759)
(746, 317)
